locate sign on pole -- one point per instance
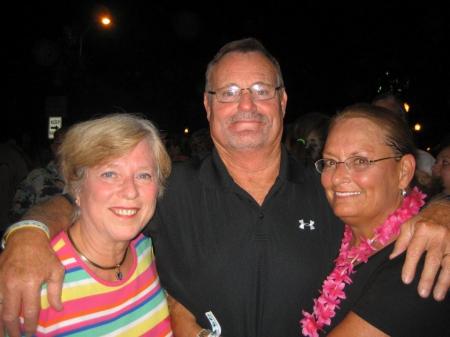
(54, 123)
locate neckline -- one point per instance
(116, 267)
(88, 269)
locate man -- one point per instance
(13, 169)
(424, 160)
(243, 238)
(391, 102)
(41, 183)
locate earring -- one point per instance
(403, 192)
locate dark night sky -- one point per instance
(153, 60)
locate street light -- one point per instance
(417, 127)
(105, 21)
(406, 106)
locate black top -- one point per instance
(378, 295)
(254, 267)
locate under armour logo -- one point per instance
(303, 224)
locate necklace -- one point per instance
(332, 292)
(116, 267)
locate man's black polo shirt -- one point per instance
(254, 267)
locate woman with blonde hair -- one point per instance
(115, 168)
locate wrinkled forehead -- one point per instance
(243, 69)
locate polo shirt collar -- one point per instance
(214, 173)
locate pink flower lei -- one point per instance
(332, 292)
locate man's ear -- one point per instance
(283, 102)
(407, 169)
(207, 104)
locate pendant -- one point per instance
(119, 274)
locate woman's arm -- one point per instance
(28, 261)
(354, 326)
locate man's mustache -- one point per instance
(252, 116)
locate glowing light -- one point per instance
(417, 127)
(105, 20)
(428, 149)
(406, 106)
(186, 130)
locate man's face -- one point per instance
(247, 124)
(441, 168)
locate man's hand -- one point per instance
(27, 262)
(429, 231)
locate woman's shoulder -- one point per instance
(394, 307)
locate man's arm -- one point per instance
(183, 321)
(28, 261)
(428, 231)
(56, 213)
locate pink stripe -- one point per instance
(160, 330)
(102, 302)
(96, 303)
(78, 307)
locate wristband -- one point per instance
(205, 333)
(24, 224)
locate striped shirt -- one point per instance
(134, 306)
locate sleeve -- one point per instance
(397, 309)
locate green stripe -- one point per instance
(143, 245)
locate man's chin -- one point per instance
(246, 143)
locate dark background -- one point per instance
(153, 58)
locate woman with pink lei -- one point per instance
(367, 167)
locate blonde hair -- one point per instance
(94, 142)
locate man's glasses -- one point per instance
(232, 93)
(353, 164)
